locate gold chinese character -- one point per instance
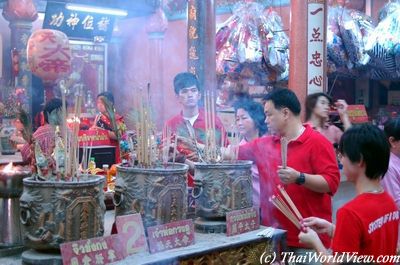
(88, 22)
(193, 33)
(57, 20)
(193, 53)
(192, 12)
(103, 23)
(73, 20)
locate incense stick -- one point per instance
(175, 147)
(284, 145)
(278, 204)
(291, 203)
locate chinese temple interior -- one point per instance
(112, 66)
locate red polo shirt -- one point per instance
(311, 153)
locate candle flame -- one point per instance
(8, 168)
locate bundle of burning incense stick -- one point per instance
(284, 146)
(71, 146)
(145, 130)
(287, 207)
(211, 148)
(72, 163)
(166, 144)
(235, 140)
(86, 154)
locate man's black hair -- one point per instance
(284, 98)
(256, 112)
(368, 143)
(183, 80)
(51, 105)
(392, 128)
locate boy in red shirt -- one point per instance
(189, 124)
(368, 224)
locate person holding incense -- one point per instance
(368, 224)
(189, 125)
(109, 120)
(318, 106)
(307, 170)
(250, 122)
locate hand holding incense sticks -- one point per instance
(235, 140)
(286, 206)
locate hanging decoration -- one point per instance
(49, 54)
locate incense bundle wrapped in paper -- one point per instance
(59, 155)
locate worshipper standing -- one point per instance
(311, 176)
(368, 224)
(110, 121)
(250, 122)
(318, 106)
(190, 124)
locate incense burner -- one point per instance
(222, 187)
(54, 212)
(159, 194)
(10, 191)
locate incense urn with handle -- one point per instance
(222, 187)
(55, 212)
(158, 193)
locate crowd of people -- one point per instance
(368, 224)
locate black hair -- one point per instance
(256, 112)
(311, 101)
(51, 105)
(284, 98)
(183, 80)
(368, 143)
(107, 95)
(392, 128)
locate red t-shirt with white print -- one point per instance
(368, 225)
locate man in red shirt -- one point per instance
(190, 122)
(368, 224)
(311, 176)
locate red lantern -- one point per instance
(20, 10)
(49, 54)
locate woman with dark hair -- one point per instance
(250, 121)
(109, 120)
(318, 106)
